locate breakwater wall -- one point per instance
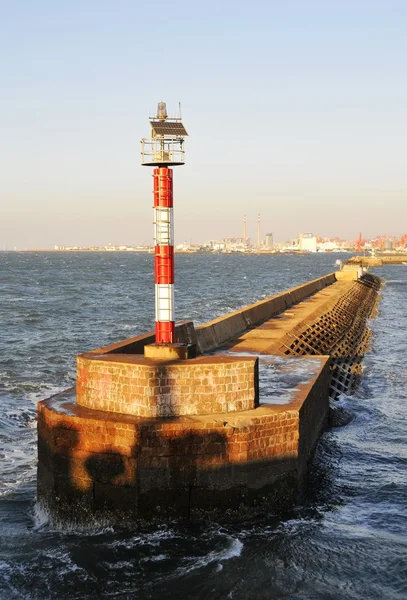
(211, 335)
(216, 332)
(337, 327)
(379, 260)
(224, 433)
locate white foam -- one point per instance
(232, 551)
(235, 550)
(156, 558)
(149, 539)
(41, 516)
(44, 518)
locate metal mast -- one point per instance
(258, 230)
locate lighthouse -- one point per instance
(163, 150)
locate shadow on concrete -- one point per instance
(158, 477)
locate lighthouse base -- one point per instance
(170, 351)
(98, 465)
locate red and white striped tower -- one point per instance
(164, 256)
(163, 150)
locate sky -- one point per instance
(296, 110)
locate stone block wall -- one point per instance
(313, 418)
(139, 386)
(176, 466)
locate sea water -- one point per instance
(347, 541)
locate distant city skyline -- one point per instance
(266, 241)
(296, 111)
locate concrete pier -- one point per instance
(228, 432)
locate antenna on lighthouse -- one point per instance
(164, 149)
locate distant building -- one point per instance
(308, 242)
(269, 240)
(327, 246)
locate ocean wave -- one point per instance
(232, 550)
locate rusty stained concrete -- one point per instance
(147, 468)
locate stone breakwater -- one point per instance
(334, 323)
(228, 432)
(379, 260)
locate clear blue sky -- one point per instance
(295, 109)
